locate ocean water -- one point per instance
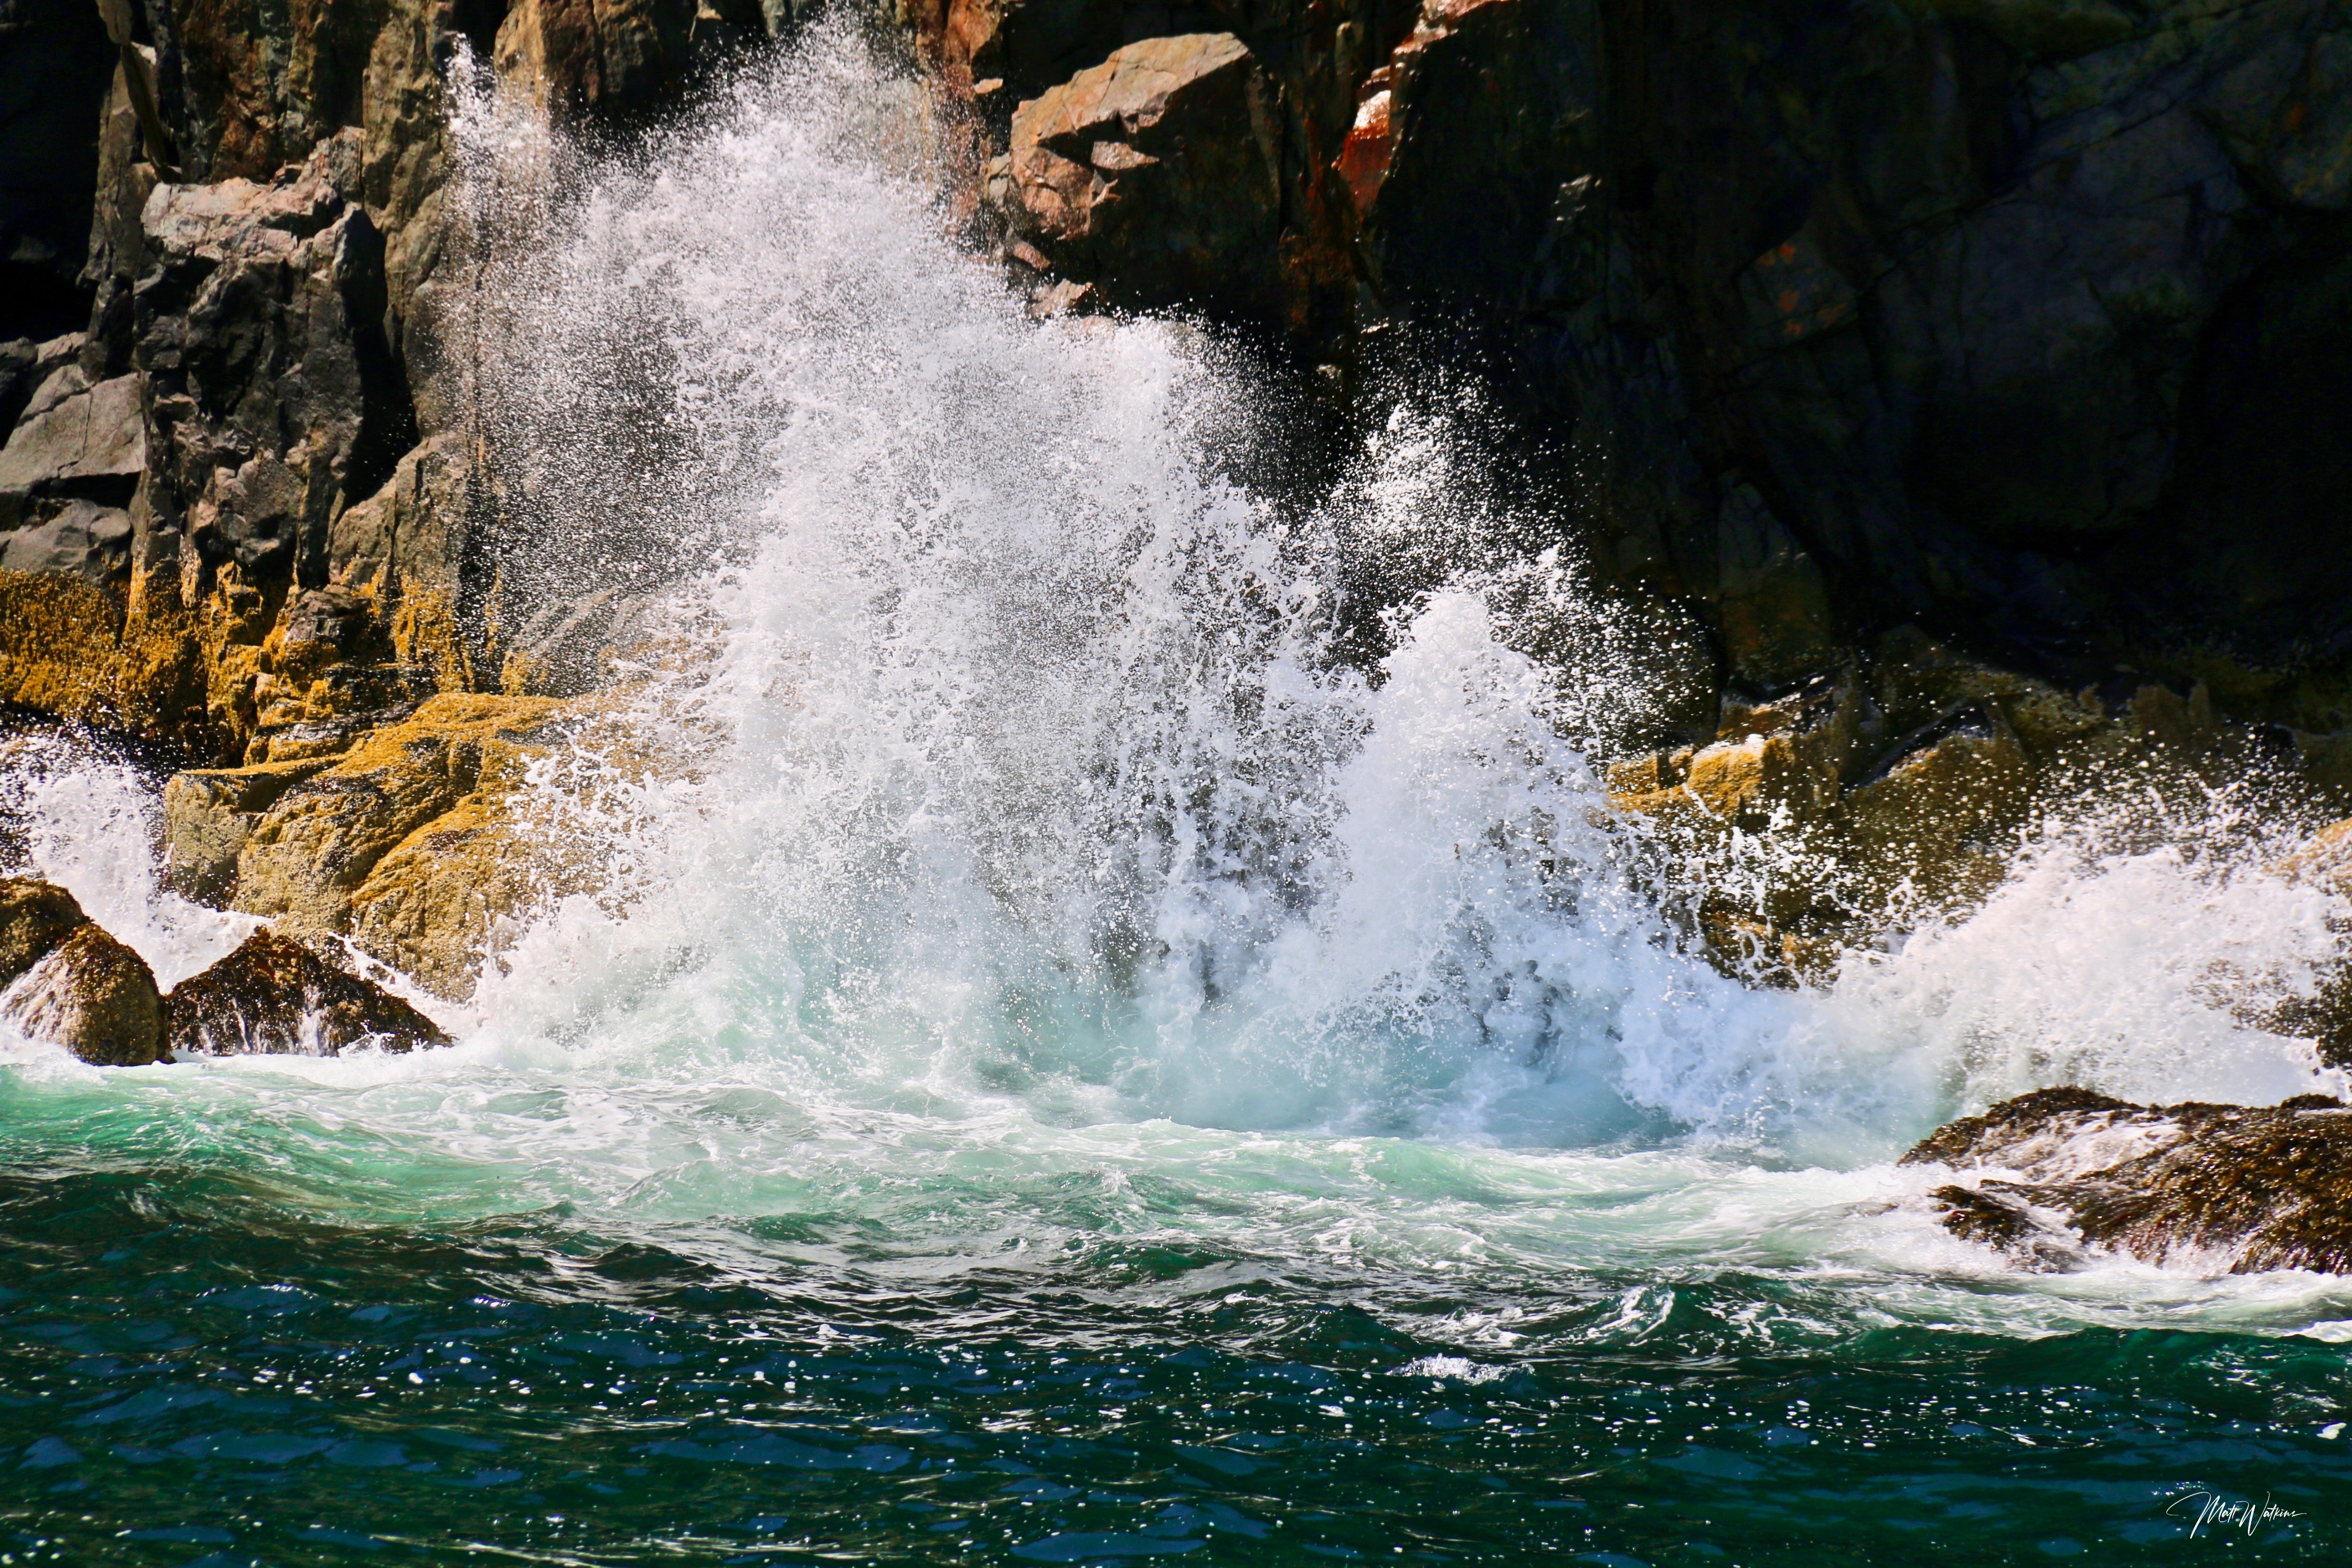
(1068, 1063)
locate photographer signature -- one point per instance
(2229, 1514)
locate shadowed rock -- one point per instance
(94, 997)
(2225, 1188)
(275, 997)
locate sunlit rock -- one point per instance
(404, 550)
(417, 842)
(1156, 173)
(90, 444)
(92, 995)
(82, 540)
(1931, 811)
(260, 333)
(613, 58)
(125, 658)
(209, 812)
(273, 997)
(2214, 1188)
(35, 918)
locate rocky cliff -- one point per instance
(1971, 371)
(2024, 322)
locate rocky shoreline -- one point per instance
(1957, 375)
(64, 978)
(2051, 1176)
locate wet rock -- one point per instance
(419, 842)
(92, 995)
(2219, 1188)
(274, 996)
(1917, 683)
(1155, 174)
(1772, 601)
(208, 815)
(1932, 811)
(317, 841)
(1775, 759)
(616, 58)
(34, 917)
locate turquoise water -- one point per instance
(1067, 1061)
(199, 1367)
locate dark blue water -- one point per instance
(193, 1374)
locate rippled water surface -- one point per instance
(1069, 1058)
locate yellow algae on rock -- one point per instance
(442, 902)
(315, 845)
(96, 653)
(424, 844)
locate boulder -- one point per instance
(2236, 1189)
(1157, 174)
(1473, 144)
(318, 841)
(1022, 46)
(92, 995)
(35, 918)
(273, 997)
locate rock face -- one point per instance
(94, 997)
(1967, 371)
(74, 440)
(269, 288)
(1155, 174)
(274, 399)
(2007, 321)
(417, 842)
(2219, 1188)
(273, 997)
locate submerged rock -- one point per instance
(2224, 1188)
(94, 997)
(273, 997)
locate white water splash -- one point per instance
(1042, 777)
(1037, 842)
(93, 825)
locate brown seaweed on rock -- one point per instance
(2230, 1188)
(274, 996)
